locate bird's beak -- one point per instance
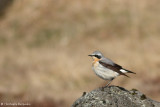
(90, 55)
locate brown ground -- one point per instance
(44, 47)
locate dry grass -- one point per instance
(44, 48)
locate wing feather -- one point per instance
(114, 67)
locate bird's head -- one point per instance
(96, 55)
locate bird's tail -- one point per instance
(128, 71)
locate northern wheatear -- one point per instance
(106, 68)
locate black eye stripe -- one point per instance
(97, 56)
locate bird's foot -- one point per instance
(102, 88)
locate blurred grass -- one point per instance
(4, 4)
(44, 47)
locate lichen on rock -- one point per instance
(114, 96)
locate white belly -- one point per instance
(104, 72)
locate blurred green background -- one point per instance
(44, 46)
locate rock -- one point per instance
(114, 96)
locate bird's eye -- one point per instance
(97, 56)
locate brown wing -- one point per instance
(114, 67)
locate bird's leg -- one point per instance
(109, 82)
(102, 89)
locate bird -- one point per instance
(106, 69)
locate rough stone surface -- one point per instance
(114, 96)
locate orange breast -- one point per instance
(95, 60)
